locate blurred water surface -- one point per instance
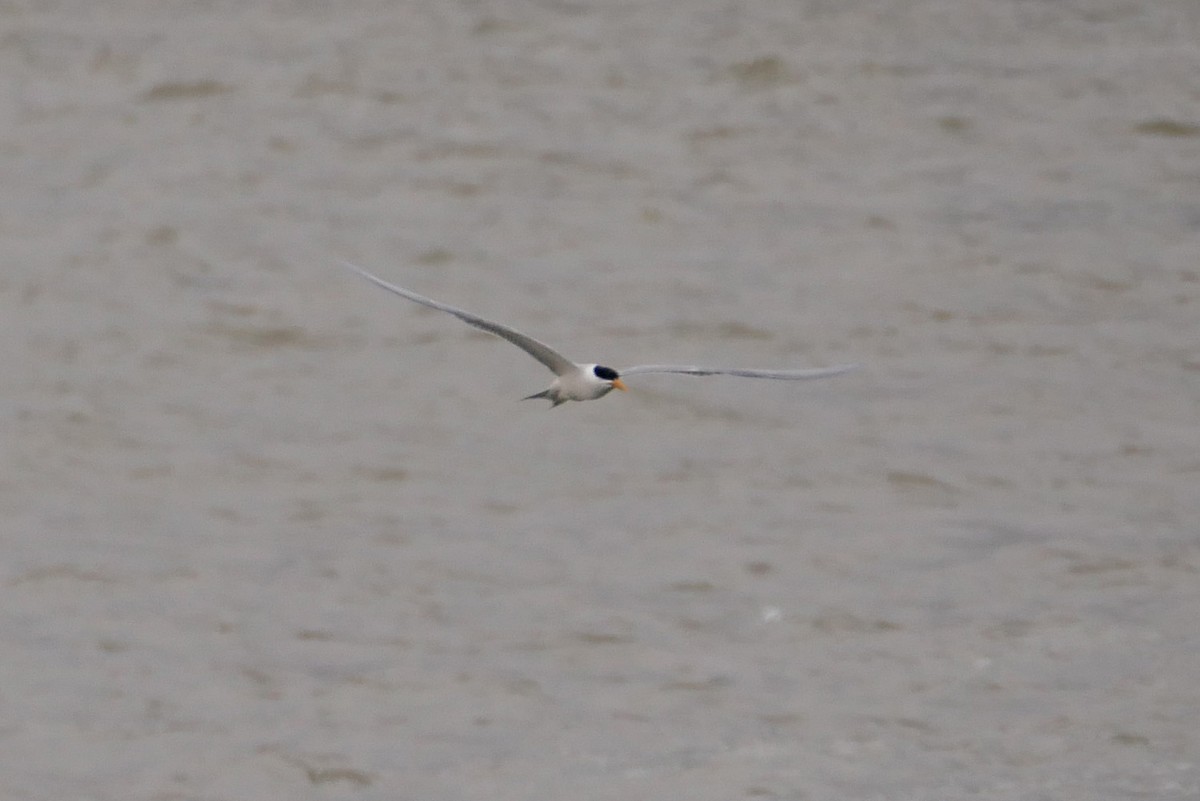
(271, 532)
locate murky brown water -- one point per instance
(269, 532)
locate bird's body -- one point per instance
(581, 382)
(580, 385)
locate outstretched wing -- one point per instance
(545, 354)
(778, 375)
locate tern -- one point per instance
(582, 382)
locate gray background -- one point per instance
(269, 532)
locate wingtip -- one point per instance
(366, 274)
(352, 267)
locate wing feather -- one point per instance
(558, 364)
(778, 375)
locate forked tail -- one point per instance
(546, 395)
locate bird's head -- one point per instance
(610, 375)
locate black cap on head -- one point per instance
(607, 373)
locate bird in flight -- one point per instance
(582, 382)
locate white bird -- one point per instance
(581, 382)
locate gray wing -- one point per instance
(545, 354)
(779, 375)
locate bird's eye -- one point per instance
(607, 373)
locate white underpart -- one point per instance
(580, 384)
